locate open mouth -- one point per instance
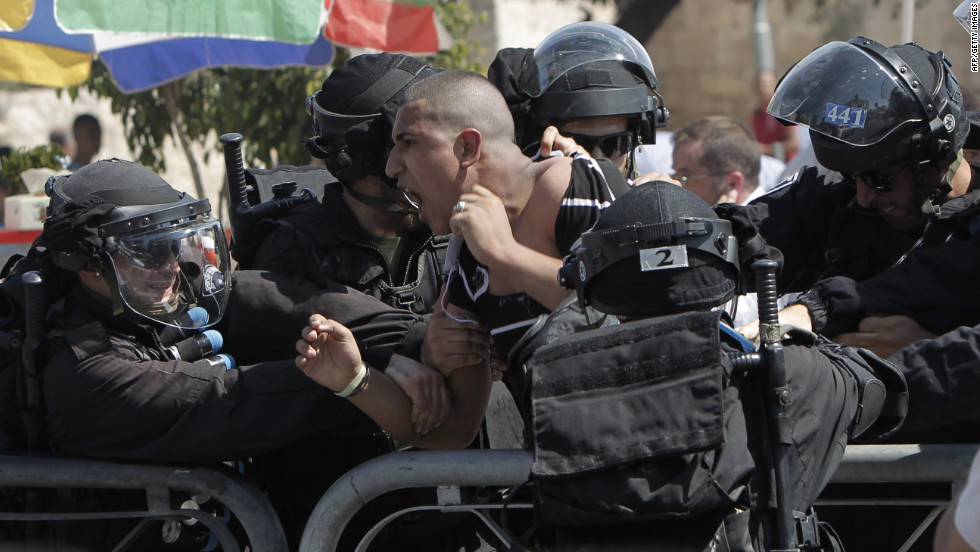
(159, 286)
(412, 198)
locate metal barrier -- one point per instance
(246, 502)
(450, 471)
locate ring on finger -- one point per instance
(460, 206)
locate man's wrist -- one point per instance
(357, 384)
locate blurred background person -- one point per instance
(717, 158)
(87, 133)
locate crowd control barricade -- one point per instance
(453, 473)
(162, 485)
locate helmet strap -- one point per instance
(109, 275)
(631, 172)
(378, 202)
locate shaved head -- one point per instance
(456, 100)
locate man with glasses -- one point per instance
(717, 158)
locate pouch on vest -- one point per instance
(628, 422)
(883, 394)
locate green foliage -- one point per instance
(40, 157)
(459, 18)
(265, 106)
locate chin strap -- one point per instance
(931, 205)
(379, 202)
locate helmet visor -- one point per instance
(843, 92)
(175, 276)
(580, 44)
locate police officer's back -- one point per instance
(650, 425)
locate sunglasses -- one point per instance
(685, 179)
(153, 255)
(882, 182)
(611, 145)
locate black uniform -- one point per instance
(945, 277)
(851, 262)
(823, 232)
(608, 461)
(323, 241)
(110, 392)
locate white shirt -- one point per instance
(967, 515)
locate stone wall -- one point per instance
(704, 54)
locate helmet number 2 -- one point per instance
(843, 115)
(663, 258)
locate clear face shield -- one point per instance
(176, 276)
(580, 44)
(844, 92)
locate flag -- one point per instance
(296, 21)
(141, 62)
(406, 26)
(14, 14)
(42, 54)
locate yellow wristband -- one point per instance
(356, 384)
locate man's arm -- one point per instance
(454, 340)
(514, 267)
(266, 311)
(885, 335)
(328, 354)
(943, 380)
(104, 399)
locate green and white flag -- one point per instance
(295, 21)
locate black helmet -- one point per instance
(869, 106)
(351, 126)
(658, 249)
(163, 255)
(583, 70)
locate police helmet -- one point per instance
(869, 107)
(163, 256)
(351, 126)
(658, 249)
(592, 69)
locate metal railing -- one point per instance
(245, 501)
(451, 471)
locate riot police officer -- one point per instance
(897, 235)
(593, 81)
(155, 351)
(617, 413)
(890, 120)
(362, 233)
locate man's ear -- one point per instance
(733, 187)
(90, 276)
(94, 279)
(469, 145)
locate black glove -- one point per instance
(751, 246)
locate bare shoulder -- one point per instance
(536, 226)
(551, 178)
